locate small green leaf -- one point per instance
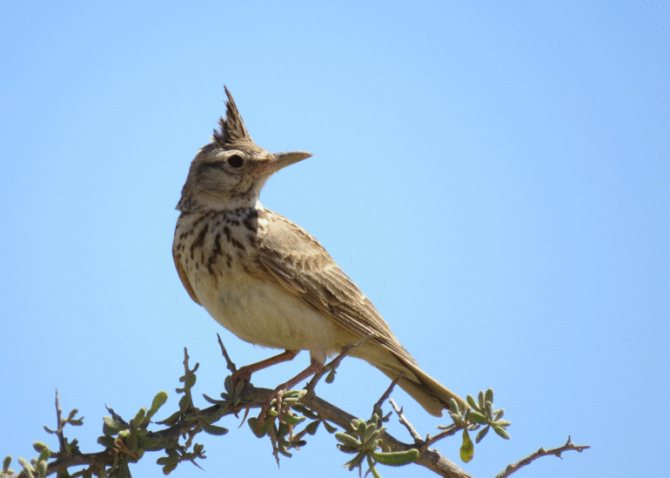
(330, 378)
(488, 396)
(44, 455)
(214, 429)
(5, 464)
(169, 463)
(471, 401)
(189, 380)
(154, 443)
(110, 426)
(260, 429)
(184, 403)
(361, 427)
(312, 427)
(27, 467)
(347, 440)
(482, 433)
(467, 448)
(158, 401)
(477, 417)
(396, 458)
(500, 431)
(369, 430)
(38, 446)
(329, 428)
(139, 417)
(292, 419)
(42, 468)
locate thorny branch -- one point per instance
(189, 420)
(558, 451)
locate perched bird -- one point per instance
(269, 281)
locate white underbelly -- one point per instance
(264, 313)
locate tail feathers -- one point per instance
(423, 388)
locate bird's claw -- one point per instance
(275, 397)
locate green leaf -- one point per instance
(477, 417)
(292, 419)
(260, 429)
(482, 433)
(488, 396)
(214, 429)
(42, 468)
(312, 427)
(158, 401)
(471, 401)
(361, 426)
(27, 467)
(110, 426)
(169, 463)
(138, 421)
(155, 443)
(5, 464)
(189, 380)
(184, 403)
(38, 446)
(500, 431)
(330, 378)
(396, 458)
(467, 448)
(348, 440)
(370, 429)
(329, 428)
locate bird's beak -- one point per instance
(281, 160)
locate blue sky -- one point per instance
(495, 176)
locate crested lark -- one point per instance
(270, 282)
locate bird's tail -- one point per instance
(428, 392)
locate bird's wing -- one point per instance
(300, 264)
(184, 278)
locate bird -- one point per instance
(270, 282)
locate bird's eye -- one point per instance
(236, 161)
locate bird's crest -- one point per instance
(232, 130)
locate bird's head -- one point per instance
(229, 172)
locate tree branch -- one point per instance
(126, 441)
(256, 398)
(558, 451)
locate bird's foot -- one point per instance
(273, 404)
(241, 375)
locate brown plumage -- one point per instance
(269, 281)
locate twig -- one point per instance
(377, 407)
(514, 467)
(60, 424)
(229, 363)
(406, 423)
(447, 432)
(332, 365)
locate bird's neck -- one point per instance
(206, 203)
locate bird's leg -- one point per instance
(315, 366)
(244, 373)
